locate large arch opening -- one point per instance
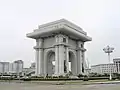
(50, 64)
(72, 62)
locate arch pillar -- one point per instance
(39, 56)
(79, 62)
(67, 59)
(61, 54)
(80, 58)
(56, 60)
(37, 62)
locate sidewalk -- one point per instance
(75, 82)
(66, 82)
(108, 82)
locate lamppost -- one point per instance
(109, 50)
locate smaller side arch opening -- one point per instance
(72, 62)
(50, 64)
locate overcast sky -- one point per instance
(99, 18)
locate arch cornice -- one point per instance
(57, 27)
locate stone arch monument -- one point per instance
(61, 42)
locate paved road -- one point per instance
(38, 86)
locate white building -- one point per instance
(17, 66)
(9, 68)
(117, 63)
(27, 71)
(87, 71)
(4, 67)
(32, 65)
(1, 67)
(61, 42)
(104, 68)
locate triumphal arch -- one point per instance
(59, 48)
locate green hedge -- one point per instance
(48, 79)
(62, 79)
(57, 78)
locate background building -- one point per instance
(104, 68)
(87, 71)
(1, 67)
(9, 68)
(32, 65)
(4, 67)
(17, 66)
(117, 63)
(29, 71)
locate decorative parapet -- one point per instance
(60, 26)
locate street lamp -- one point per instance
(109, 50)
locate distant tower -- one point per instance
(17, 66)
